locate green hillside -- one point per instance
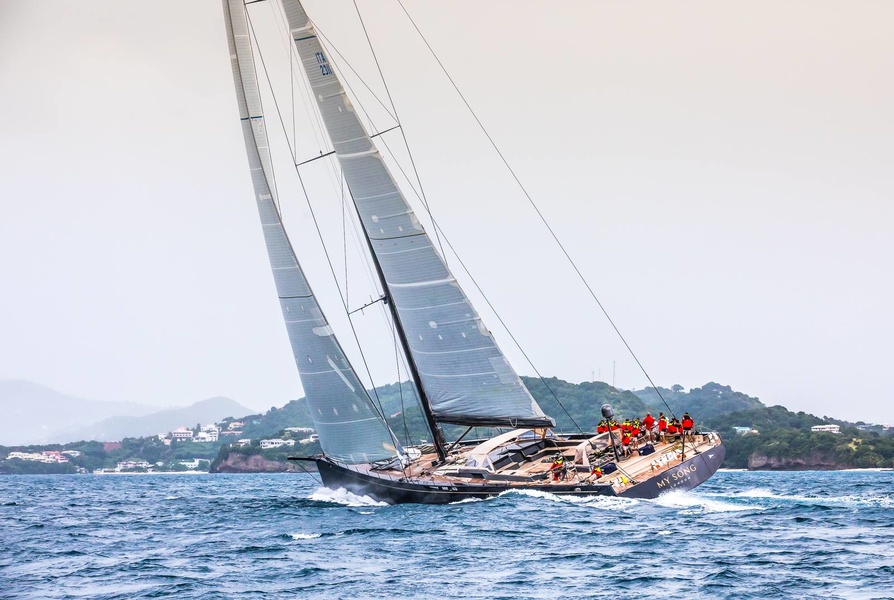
(784, 441)
(776, 438)
(710, 400)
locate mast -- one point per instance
(405, 347)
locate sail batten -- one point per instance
(349, 427)
(463, 374)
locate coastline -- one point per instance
(155, 473)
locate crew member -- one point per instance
(634, 435)
(558, 467)
(687, 425)
(662, 427)
(649, 421)
(673, 428)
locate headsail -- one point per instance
(465, 377)
(348, 424)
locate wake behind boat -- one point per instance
(460, 375)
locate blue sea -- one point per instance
(740, 535)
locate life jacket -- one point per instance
(672, 428)
(662, 424)
(649, 421)
(687, 423)
(626, 439)
(635, 432)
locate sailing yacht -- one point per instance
(461, 376)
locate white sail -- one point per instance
(350, 428)
(464, 376)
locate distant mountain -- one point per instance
(203, 412)
(34, 414)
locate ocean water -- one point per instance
(740, 535)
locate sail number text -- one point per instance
(324, 64)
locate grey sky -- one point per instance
(719, 171)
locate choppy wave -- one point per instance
(742, 535)
(305, 536)
(344, 497)
(689, 501)
(594, 501)
(819, 498)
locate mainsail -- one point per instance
(350, 428)
(464, 376)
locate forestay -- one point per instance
(349, 427)
(463, 373)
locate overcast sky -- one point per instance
(720, 172)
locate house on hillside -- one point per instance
(206, 436)
(182, 433)
(299, 429)
(826, 428)
(745, 430)
(276, 443)
(195, 463)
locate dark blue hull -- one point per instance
(685, 476)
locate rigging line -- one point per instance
(373, 127)
(288, 44)
(344, 236)
(318, 134)
(335, 278)
(312, 113)
(292, 94)
(536, 209)
(381, 411)
(346, 87)
(303, 468)
(509, 332)
(306, 195)
(400, 387)
(402, 133)
(342, 59)
(331, 152)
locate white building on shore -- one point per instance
(182, 433)
(826, 428)
(206, 436)
(275, 443)
(195, 463)
(48, 456)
